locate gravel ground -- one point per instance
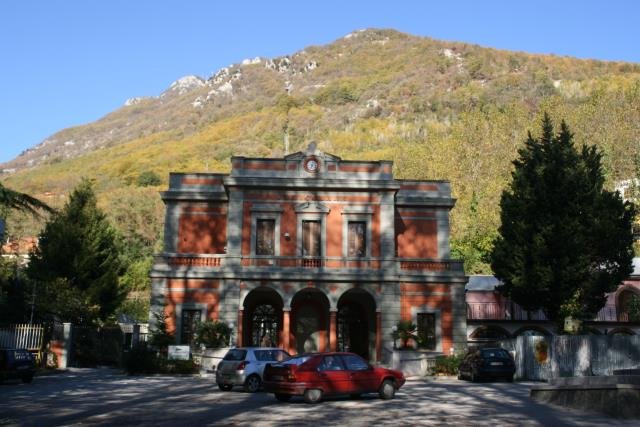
(106, 397)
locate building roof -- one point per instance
(482, 283)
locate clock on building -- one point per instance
(311, 164)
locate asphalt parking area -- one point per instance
(106, 397)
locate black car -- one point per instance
(487, 363)
(17, 363)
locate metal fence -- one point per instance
(543, 358)
(22, 336)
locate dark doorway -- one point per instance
(189, 322)
(356, 323)
(262, 320)
(310, 309)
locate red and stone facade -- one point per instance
(310, 253)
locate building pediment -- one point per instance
(312, 207)
(312, 150)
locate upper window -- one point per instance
(265, 237)
(357, 239)
(311, 238)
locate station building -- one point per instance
(310, 252)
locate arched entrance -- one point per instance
(310, 321)
(262, 319)
(489, 334)
(356, 323)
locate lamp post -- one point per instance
(231, 326)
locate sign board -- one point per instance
(179, 352)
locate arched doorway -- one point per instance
(262, 319)
(489, 334)
(531, 331)
(310, 321)
(356, 323)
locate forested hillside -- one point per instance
(439, 110)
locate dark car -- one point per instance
(17, 363)
(487, 363)
(315, 375)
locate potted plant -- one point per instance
(405, 331)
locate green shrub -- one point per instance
(212, 334)
(143, 360)
(180, 367)
(447, 365)
(148, 178)
(159, 336)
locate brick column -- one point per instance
(333, 339)
(378, 336)
(240, 331)
(285, 330)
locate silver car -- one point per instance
(245, 365)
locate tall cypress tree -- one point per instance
(564, 240)
(77, 262)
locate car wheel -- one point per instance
(312, 395)
(225, 387)
(387, 390)
(27, 378)
(283, 397)
(252, 384)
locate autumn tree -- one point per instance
(564, 241)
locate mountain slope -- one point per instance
(440, 110)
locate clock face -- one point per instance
(311, 165)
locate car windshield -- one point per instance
(297, 360)
(271, 355)
(235, 355)
(496, 353)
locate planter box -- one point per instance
(209, 359)
(414, 363)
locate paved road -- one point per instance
(105, 397)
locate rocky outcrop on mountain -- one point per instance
(365, 74)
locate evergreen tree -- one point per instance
(77, 262)
(564, 241)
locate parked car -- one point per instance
(17, 363)
(245, 366)
(487, 363)
(316, 375)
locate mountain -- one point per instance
(440, 110)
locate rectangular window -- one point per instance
(311, 236)
(190, 320)
(427, 330)
(265, 237)
(357, 240)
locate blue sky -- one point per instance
(70, 62)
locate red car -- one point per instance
(313, 376)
